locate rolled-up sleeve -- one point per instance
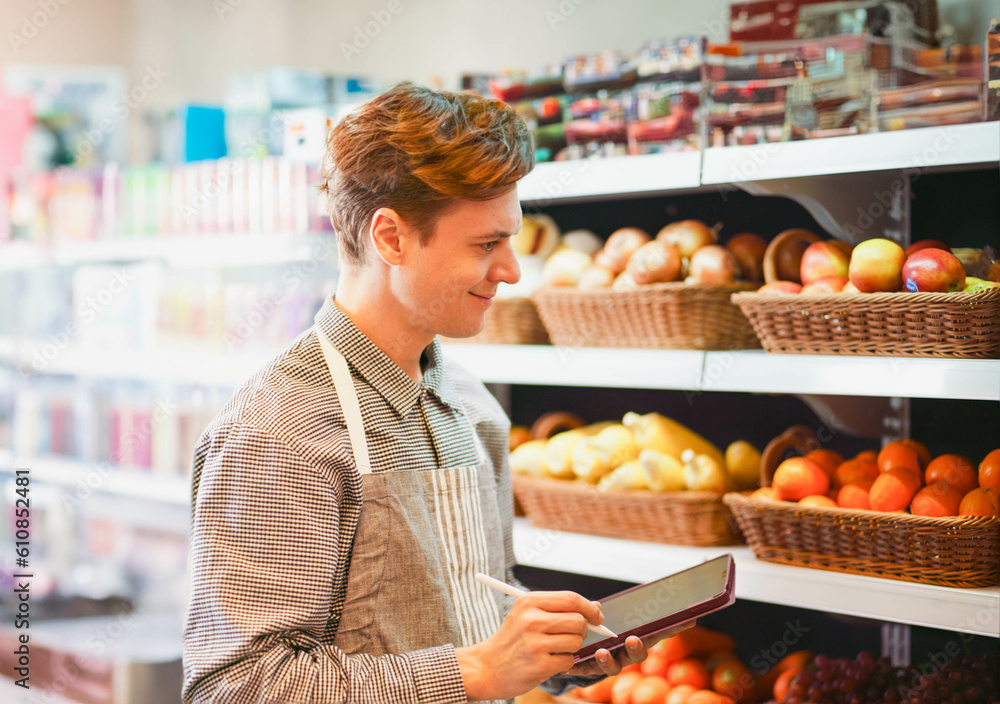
(267, 546)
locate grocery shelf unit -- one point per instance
(831, 178)
(855, 187)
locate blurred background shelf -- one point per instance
(190, 251)
(974, 611)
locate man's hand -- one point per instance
(635, 651)
(536, 641)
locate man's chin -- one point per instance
(458, 332)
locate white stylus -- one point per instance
(505, 588)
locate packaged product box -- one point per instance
(993, 71)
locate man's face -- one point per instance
(448, 285)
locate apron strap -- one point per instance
(343, 382)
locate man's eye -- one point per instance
(488, 246)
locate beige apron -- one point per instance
(421, 538)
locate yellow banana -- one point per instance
(657, 432)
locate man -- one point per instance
(347, 494)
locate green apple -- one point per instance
(974, 284)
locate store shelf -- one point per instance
(130, 482)
(175, 250)
(928, 148)
(909, 377)
(624, 175)
(743, 371)
(965, 610)
(183, 362)
(554, 365)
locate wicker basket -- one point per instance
(952, 552)
(662, 316)
(509, 321)
(680, 517)
(963, 325)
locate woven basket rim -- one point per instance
(662, 287)
(902, 518)
(683, 496)
(778, 297)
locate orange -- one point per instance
(868, 455)
(799, 477)
(817, 500)
(717, 658)
(650, 690)
(768, 493)
(598, 692)
(989, 471)
(631, 667)
(923, 454)
(680, 694)
(733, 679)
(855, 495)
(828, 460)
(897, 454)
(707, 696)
(854, 470)
(621, 690)
(655, 663)
(936, 500)
(980, 502)
(783, 682)
(688, 671)
(799, 659)
(955, 470)
(894, 489)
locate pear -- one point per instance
(662, 472)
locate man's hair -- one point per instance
(417, 150)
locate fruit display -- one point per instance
(686, 250)
(701, 668)
(641, 452)
(902, 477)
(969, 679)
(798, 261)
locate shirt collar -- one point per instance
(381, 373)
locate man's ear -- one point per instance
(386, 233)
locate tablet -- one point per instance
(658, 606)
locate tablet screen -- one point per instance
(634, 607)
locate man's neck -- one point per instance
(369, 306)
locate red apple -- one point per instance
(826, 284)
(823, 259)
(877, 265)
(749, 249)
(926, 244)
(933, 270)
(780, 287)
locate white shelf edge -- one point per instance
(974, 611)
(752, 371)
(580, 366)
(929, 148)
(620, 175)
(748, 371)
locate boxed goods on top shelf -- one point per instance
(647, 477)
(897, 513)
(993, 75)
(877, 298)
